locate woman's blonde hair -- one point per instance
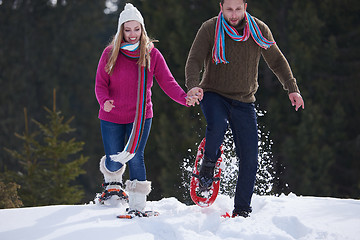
(144, 58)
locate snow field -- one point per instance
(279, 218)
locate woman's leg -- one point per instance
(113, 139)
(138, 187)
(113, 136)
(136, 164)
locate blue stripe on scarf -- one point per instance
(222, 26)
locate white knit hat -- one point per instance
(128, 14)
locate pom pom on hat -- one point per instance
(130, 13)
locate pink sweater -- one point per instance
(122, 86)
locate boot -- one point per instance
(206, 174)
(138, 191)
(113, 183)
(241, 212)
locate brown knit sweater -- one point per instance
(238, 78)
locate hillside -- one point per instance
(281, 218)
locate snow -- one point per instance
(279, 218)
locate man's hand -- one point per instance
(296, 100)
(109, 105)
(196, 94)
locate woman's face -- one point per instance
(132, 31)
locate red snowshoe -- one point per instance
(200, 197)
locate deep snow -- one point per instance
(278, 218)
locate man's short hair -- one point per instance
(222, 2)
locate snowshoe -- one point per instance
(206, 174)
(116, 191)
(204, 190)
(242, 213)
(135, 213)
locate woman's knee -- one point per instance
(112, 166)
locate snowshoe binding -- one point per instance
(135, 213)
(205, 184)
(238, 213)
(112, 190)
(206, 175)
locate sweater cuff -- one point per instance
(291, 86)
(191, 84)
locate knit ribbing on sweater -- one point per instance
(237, 79)
(122, 86)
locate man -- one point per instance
(229, 46)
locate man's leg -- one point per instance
(215, 111)
(244, 128)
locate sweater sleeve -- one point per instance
(102, 80)
(166, 80)
(197, 55)
(277, 62)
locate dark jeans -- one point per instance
(219, 113)
(114, 136)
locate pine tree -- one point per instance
(48, 169)
(52, 44)
(9, 197)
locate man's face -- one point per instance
(233, 11)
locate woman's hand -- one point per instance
(191, 101)
(109, 105)
(194, 96)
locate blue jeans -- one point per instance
(114, 136)
(219, 113)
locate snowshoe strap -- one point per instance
(208, 164)
(137, 213)
(215, 179)
(111, 192)
(105, 184)
(243, 214)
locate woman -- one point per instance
(123, 89)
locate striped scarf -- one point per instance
(133, 51)
(218, 52)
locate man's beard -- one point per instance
(236, 25)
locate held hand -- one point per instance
(195, 95)
(109, 105)
(190, 101)
(296, 100)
